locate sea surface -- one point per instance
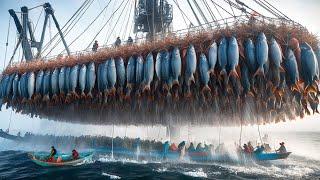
(15, 164)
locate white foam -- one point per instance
(197, 173)
(111, 176)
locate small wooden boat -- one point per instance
(67, 160)
(271, 156)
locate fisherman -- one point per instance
(182, 149)
(191, 148)
(199, 147)
(118, 42)
(250, 147)
(259, 149)
(75, 154)
(52, 154)
(95, 46)
(173, 147)
(282, 148)
(19, 134)
(130, 41)
(246, 148)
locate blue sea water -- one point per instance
(15, 164)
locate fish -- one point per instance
(317, 52)
(275, 54)
(131, 77)
(31, 84)
(245, 82)
(250, 56)
(61, 80)
(158, 66)
(261, 54)
(308, 65)
(121, 73)
(233, 56)
(212, 57)
(139, 70)
(39, 82)
(292, 73)
(15, 86)
(55, 83)
(9, 85)
(111, 76)
(24, 86)
(90, 78)
(148, 69)
(74, 77)
(295, 46)
(45, 85)
(4, 83)
(204, 73)
(223, 56)
(165, 69)
(191, 65)
(175, 65)
(82, 80)
(67, 80)
(102, 77)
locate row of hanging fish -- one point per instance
(228, 70)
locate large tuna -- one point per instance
(245, 82)
(250, 56)
(139, 70)
(31, 84)
(275, 56)
(204, 73)
(61, 80)
(102, 78)
(233, 56)
(175, 64)
(148, 69)
(55, 83)
(191, 65)
(165, 69)
(67, 80)
(15, 86)
(308, 65)
(131, 77)
(45, 85)
(261, 53)
(39, 82)
(295, 46)
(9, 85)
(222, 56)
(111, 76)
(82, 80)
(24, 85)
(74, 76)
(212, 57)
(292, 73)
(121, 74)
(90, 78)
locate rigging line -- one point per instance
(277, 10)
(181, 13)
(107, 22)
(213, 17)
(115, 25)
(201, 12)
(67, 31)
(88, 26)
(71, 19)
(231, 8)
(7, 43)
(34, 29)
(110, 23)
(270, 9)
(215, 5)
(126, 27)
(194, 13)
(266, 8)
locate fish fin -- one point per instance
(250, 93)
(223, 72)
(295, 88)
(83, 95)
(259, 72)
(46, 98)
(146, 88)
(233, 73)
(112, 91)
(89, 95)
(282, 69)
(310, 89)
(205, 89)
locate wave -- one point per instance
(111, 176)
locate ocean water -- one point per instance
(15, 164)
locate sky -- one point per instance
(305, 12)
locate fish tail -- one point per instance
(46, 98)
(223, 72)
(310, 89)
(233, 73)
(282, 69)
(295, 88)
(206, 89)
(175, 83)
(89, 95)
(112, 91)
(211, 73)
(166, 87)
(146, 88)
(191, 79)
(259, 72)
(83, 95)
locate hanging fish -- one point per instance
(90, 79)
(61, 81)
(222, 56)
(31, 84)
(55, 84)
(39, 83)
(292, 73)
(191, 65)
(204, 73)
(74, 77)
(165, 69)
(139, 70)
(67, 79)
(121, 74)
(233, 56)
(111, 76)
(82, 80)
(308, 67)
(102, 78)
(175, 66)
(245, 82)
(261, 54)
(212, 57)
(148, 69)
(250, 56)
(24, 86)
(46, 85)
(15, 86)
(131, 77)
(295, 46)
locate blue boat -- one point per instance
(270, 156)
(66, 159)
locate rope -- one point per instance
(5, 54)
(260, 135)
(210, 12)
(129, 15)
(110, 22)
(194, 13)
(10, 119)
(182, 13)
(107, 22)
